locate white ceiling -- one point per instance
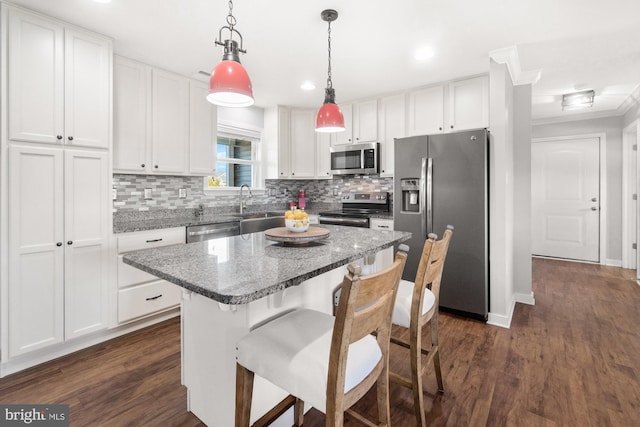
(577, 44)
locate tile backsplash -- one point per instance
(165, 191)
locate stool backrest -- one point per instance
(365, 307)
(430, 268)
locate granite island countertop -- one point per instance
(241, 269)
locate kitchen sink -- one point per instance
(259, 221)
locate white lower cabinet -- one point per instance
(58, 245)
(142, 294)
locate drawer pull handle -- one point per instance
(152, 298)
(154, 240)
(383, 226)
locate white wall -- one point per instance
(501, 191)
(612, 128)
(522, 193)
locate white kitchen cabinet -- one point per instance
(360, 122)
(169, 135)
(458, 105)
(58, 245)
(392, 125)
(426, 111)
(151, 120)
(203, 129)
(131, 115)
(469, 104)
(303, 153)
(141, 294)
(59, 80)
(381, 224)
(346, 136)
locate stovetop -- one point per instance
(362, 204)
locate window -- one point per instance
(237, 152)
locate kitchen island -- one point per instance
(234, 284)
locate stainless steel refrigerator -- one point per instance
(440, 180)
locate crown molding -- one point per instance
(631, 101)
(576, 117)
(509, 56)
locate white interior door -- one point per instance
(565, 191)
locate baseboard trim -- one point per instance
(613, 262)
(524, 298)
(502, 320)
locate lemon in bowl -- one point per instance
(297, 221)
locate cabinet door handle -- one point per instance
(154, 240)
(156, 166)
(440, 128)
(152, 298)
(58, 136)
(70, 242)
(59, 244)
(70, 138)
(451, 126)
(142, 165)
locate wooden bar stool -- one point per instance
(325, 361)
(415, 307)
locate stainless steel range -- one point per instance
(357, 208)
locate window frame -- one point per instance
(240, 131)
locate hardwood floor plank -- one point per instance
(572, 359)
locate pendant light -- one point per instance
(229, 84)
(329, 118)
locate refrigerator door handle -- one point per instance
(429, 195)
(426, 208)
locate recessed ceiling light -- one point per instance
(423, 53)
(102, 1)
(307, 86)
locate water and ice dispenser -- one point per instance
(410, 194)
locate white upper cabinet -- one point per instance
(459, 105)
(170, 98)
(152, 120)
(392, 125)
(131, 86)
(345, 137)
(365, 121)
(469, 104)
(303, 153)
(203, 127)
(426, 111)
(303, 144)
(59, 83)
(360, 122)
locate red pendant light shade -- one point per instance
(229, 85)
(329, 118)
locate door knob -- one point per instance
(594, 199)
(593, 208)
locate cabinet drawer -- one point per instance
(381, 224)
(151, 239)
(147, 299)
(128, 276)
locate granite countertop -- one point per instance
(241, 269)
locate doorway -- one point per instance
(630, 139)
(567, 198)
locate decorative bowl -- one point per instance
(297, 225)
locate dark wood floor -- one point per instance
(573, 359)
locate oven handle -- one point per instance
(338, 220)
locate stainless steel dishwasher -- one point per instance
(198, 233)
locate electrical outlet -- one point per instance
(147, 194)
(114, 194)
(182, 193)
(335, 191)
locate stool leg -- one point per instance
(436, 349)
(298, 413)
(416, 374)
(244, 392)
(383, 398)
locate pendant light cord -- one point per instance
(329, 83)
(231, 20)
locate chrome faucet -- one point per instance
(243, 205)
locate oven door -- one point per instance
(348, 221)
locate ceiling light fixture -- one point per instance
(307, 85)
(577, 100)
(329, 118)
(424, 54)
(229, 84)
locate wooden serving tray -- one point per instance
(283, 234)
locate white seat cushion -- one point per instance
(292, 352)
(402, 307)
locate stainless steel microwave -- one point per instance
(354, 159)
